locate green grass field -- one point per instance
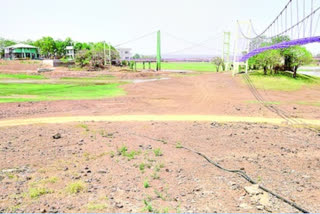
(188, 66)
(20, 76)
(39, 92)
(283, 81)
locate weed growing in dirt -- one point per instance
(165, 210)
(37, 192)
(159, 195)
(155, 176)
(11, 175)
(13, 209)
(158, 167)
(147, 206)
(76, 187)
(146, 184)
(157, 152)
(111, 154)
(51, 180)
(123, 151)
(85, 127)
(104, 133)
(96, 206)
(179, 145)
(142, 166)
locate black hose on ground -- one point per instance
(237, 171)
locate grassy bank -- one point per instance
(20, 76)
(283, 81)
(42, 92)
(188, 66)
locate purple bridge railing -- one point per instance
(281, 45)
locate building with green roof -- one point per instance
(21, 51)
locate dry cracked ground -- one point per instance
(141, 167)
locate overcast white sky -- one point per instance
(116, 21)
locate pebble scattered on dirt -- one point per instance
(117, 167)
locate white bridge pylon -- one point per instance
(241, 46)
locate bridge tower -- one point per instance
(238, 50)
(226, 50)
(158, 67)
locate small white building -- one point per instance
(70, 52)
(125, 53)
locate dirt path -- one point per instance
(144, 118)
(206, 94)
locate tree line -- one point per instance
(285, 59)
(56, 49)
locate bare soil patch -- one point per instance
(215, 93)
(51, 159)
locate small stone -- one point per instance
(253, 189)
(260, 207)
(245, 206)
(119, 205)
(56, 136)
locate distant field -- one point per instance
(20, 76)
(40, 92)
(189, 66)
(282, 82)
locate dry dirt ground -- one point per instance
(140, 167)
(38, 170)
(217, 94)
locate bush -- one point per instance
(76, 187)
(83, 58)
(124, 63)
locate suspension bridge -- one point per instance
(296, 24)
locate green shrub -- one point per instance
(157, 152)
(76, 187)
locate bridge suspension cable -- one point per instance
(289, 22)
(135, 39)
(194, 44)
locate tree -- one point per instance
(47, 46)
(297, 56)
(267, 59)
(136, 56)
(60, 48)
(5, 43)
(83, 57)
(97, 59)
(218, 61)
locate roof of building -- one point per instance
(21, 46)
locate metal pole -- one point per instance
(311, 18)
(235, 64)
(104, 52)
(304, 16)
(110, 60)
(158, 51)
